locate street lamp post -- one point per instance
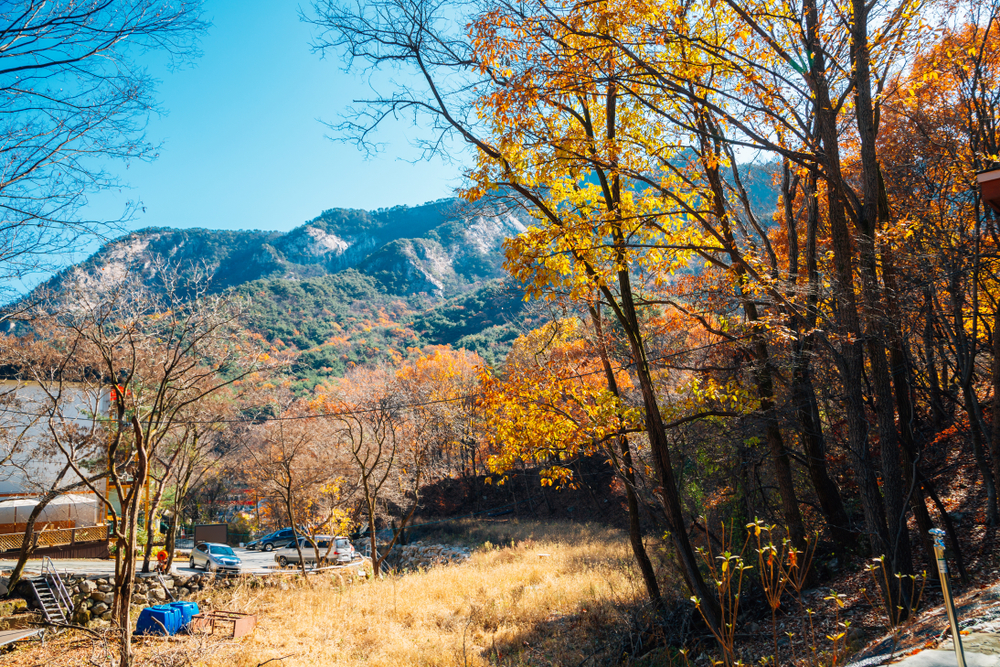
(949, 601)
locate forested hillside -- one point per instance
(349, 286)
(346, 319)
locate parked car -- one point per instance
(341, 551)
(271, 540)
(215, 557)
(257, 543)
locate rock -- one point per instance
(169, 583)
(105, 588)
(87, 587)
(98, 609)
(102, 582)
(3, 585)
(106, 616)
(183, 592)
(81, 616)
(101, 596)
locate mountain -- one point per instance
(353, 286)
(441, 248)
(350, 286)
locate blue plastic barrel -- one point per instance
(187, 611)
(158, 620)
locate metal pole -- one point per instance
(949, 602)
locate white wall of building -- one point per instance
(29, 459)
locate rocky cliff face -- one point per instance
(451, 255)
(441, 248)
(309, 245)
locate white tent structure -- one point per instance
(81, 510)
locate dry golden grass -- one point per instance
(532, 594)
(507, 605)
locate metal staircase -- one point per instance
(57, 606)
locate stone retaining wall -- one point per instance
(92, 596)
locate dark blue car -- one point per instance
(278, 538)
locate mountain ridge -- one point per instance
(442, 248)
(349, 286)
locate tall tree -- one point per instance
(73, 100)
(158, 354)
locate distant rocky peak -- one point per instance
(487, 232)
(326, 243)
(308, 241)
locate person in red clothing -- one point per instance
(161, 561)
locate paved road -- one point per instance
(254, 562)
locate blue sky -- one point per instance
(242, 142)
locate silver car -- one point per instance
(215, 557)
(332, 549)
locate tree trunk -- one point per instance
(762, 371)
(121, 609)
(965, 357)
(627, 471)
(803, 392)
(979, 450)
(949, 527)
(127, 533)
(635, 526)
(901, 375)
(873, 210)
(661, 455)
(930, 361)
(850, 356)
(894, 476)
(779, 456)
(180, 493)
(27, 543)
(151, 511)
(171, 541)
(295, 533)
(376, 560)
(814, 445)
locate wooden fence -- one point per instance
(55, 538)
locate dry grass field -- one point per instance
(532, 594)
